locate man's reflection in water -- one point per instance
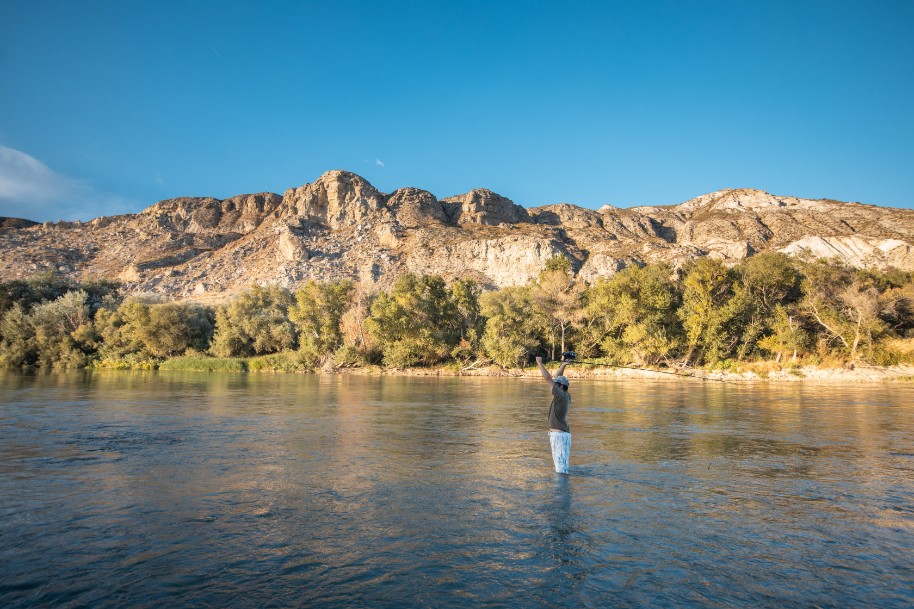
(564, 568)
(560, 517)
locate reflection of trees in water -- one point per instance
(421, 421)
(651, 422)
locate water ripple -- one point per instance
(247, 491)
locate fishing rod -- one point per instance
(570, 357)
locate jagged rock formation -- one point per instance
(482, 206)
(341, 226)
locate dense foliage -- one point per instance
(770, 307)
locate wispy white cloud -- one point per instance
(30, 189)
(25, 177)
(379, 162)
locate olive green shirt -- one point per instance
(558, 410)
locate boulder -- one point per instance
(290, 245)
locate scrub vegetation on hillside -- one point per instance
(769, 308)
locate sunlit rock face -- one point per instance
(863, 252)
(340, 226)
(338, 199)
(482, 206)
(412, 208)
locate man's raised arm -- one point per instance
(546, 376)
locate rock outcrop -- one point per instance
(341, 226)
(482, 206)
(240, 215)
(413, 208)
(338, 199)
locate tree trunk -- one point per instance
(856, 337)
(815, 313)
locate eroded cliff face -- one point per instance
(338, 200)
(341, 226)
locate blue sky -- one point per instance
(107, 107)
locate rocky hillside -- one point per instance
(341, 226)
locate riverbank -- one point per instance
(759, 373)
(290, 362)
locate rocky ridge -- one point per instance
(341, 226)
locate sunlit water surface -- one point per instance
(207, 490)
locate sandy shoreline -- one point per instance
(808, 374)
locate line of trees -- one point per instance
(769, 307)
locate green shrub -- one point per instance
(130, 361)
(18, 346)
(350, 356)
(286, 361)
(202, 363)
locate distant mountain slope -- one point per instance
(15, 223)
(341, 226)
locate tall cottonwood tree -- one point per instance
(766, 282)
(509, 336)
(708, 310)
(255, 322)
(317, 312)
(846, 304)
(631, 316)
(787, 333)
(469, 322)
(557, 300)
(358, 347)
(414, 323)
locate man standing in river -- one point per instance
(559, 432)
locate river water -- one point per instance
(209, 490)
